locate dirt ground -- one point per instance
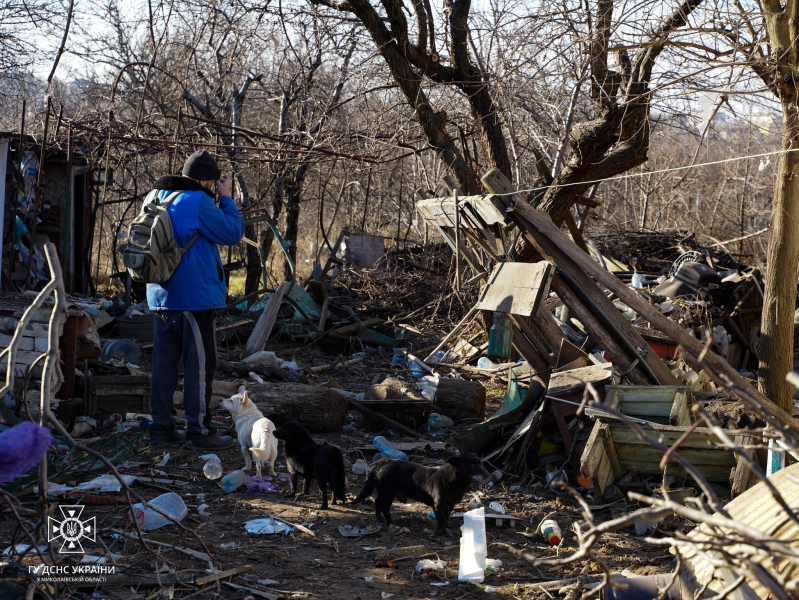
(328, 565)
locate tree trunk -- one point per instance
(776, 355)
(317, 408)
(779, 302)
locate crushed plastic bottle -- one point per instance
(551, 531)
(383, 445)
(437, 421)
(212, 469)
(233, 481)
(428, 393)
(170, 503)
(473, 547)
(440, 355)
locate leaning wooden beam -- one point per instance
(619, 355)
(562, 252)
(544, 226)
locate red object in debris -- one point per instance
(664, 349)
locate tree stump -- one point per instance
(460, 400)
(319, 409)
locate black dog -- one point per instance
(442, 488)
(305, 457)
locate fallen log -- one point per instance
(319, 409)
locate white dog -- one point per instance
(254, 431)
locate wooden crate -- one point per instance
(614, 449)
(118, 394)
(662, 404)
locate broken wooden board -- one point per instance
(613, 448)
(662, 404)
(441, 211)
(566, 383)
(517, 288)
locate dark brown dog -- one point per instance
(442, 487)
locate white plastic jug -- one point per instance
(473, 546)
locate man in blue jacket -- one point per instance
(184, 306)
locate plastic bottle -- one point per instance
(384, 446)
(485, 363)
(416, 370)
(233, 481)
(170, 503)
(212, 469)
(440, 355)
(473, 547)
(551, 531)
(637, 281)
(437, 421)
(500, 338)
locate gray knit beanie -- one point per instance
(201, 166)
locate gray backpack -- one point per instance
(151, 253)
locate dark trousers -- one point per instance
(192, 335)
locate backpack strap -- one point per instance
(167, 203)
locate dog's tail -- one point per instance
(367, 489)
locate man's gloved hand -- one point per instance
(223, 186)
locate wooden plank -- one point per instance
(551, 332)
(517, 288)
(681, 411)
(742, 473)
(594, 454)
(222, 574)
(610, 450)
(521, 324)
(438, 211)
(486, 208)
(567, 382)
(529, 352)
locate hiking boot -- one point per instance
(173, 437)
(211, 441)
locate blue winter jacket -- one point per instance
(199, 281)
